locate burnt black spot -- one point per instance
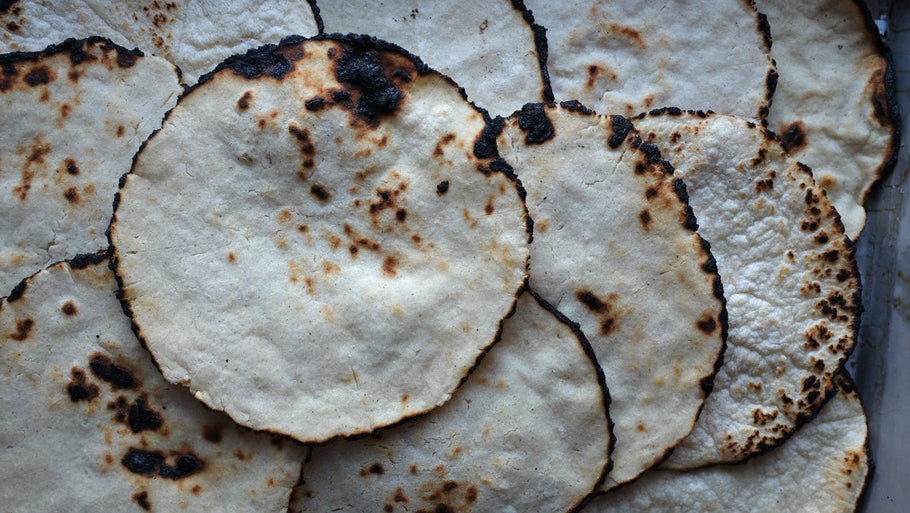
(706, 325)
(39, 75)
(621, 128)
(533, 120)
(671, 111)
(376, 468)
(650, 193)
(213, 433)
(362, 70)
(142, 499)
(771, 83)
(127, 58)
(152, 464)
(793, 138)
(119, 377)
(651, 151)
(187, 465)
(259, 62)
(315, 104)
(17, 291)
(143, 418)
(78, 389)
(645, 217)
(575, 106)
(443, 508)
(810, 383)
(71, 195)
(485, 145)
(84, 260)
(5, 5)
(591, 301)
(765, 29)
(69, 308)
(830, 256)
(843, 275)
(71, 167)
(320, 192)
(244, 102)
(23, 329)
(690, 222)
(442, 187)
(401, 214)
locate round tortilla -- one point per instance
(528, 431)
(834, 109)
(628, 57)
(615, 249)
(487, 47)
(822, 469)
(195, 35)
(88, 424)
(790, 277)
(71, 118)
(311, 235)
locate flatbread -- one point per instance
(630, 57)
(822, 469)
(88, 424)
(527, 432)
(790, 277)
(194, 35)
(311, 236)
(615, 250)
(71, 119)
(834, 108)
(487, 47)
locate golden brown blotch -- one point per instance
(232, 257)
(641, 428)
(45, 96)
(329, 268)
(69, 308)
(36, 157)
(23, 329)
(446, 139)
(645, 218)
(284, 215)
(375, 469)
(213, 433)
(390, 266)
(763, 185)
(121, 130)
(627, 32)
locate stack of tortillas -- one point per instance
(464, 257)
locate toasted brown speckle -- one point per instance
(23, 330)
(390, 266)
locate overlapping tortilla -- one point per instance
(311, 244)
(528, 431)
(615, 250)
(834, 108)
(823, 469)
(194, 35)
(71, 119)
(487, 47)
(790, 277)
(630, 57)
(88, 424)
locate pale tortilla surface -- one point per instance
(195, 35)
(834, 106)
(71, 118)
(527, 432)
(790, 277)
(87, 423)
(628, 57)
(615, 249)
(310, 243)
(487, 47)
(823, 469)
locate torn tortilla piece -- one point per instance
(615, 249)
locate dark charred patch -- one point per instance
(78, 388)
(142, 499)
(793, 137)
(154, 464)
(651, 193)
(689, 221)
(390, 266)
(119, 377)
(259, 62)
(127, 58)
(23, 330)
(401, 214)
(143, 418)
(244, 102)
(69, 308)
(376, 469)
(442, 187)
(604, 309)
(71, 195)
(307, 149)
(621, 128)
(533, 120)
(121, 408)
(645, 218)
(320, 192)
(763, 185)
(706, 324)
(39, 75)
(575, 106)
(315, 104)
(363, 71)
(651, 152)
(485, 144)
